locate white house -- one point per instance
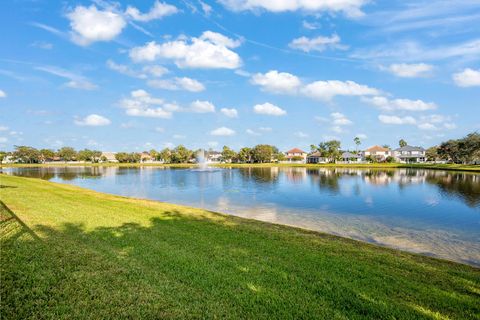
(316, 157)
(380, 153)
(408, 154)
(351, 157)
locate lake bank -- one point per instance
(61, 244)
(452, 167)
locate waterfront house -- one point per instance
(316, 157)
(350, 157)
(146, 157)
(377, 152)
(296, 155)
(109, 156)
(409, 154)
(213, 156)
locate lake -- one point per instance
(424, 211)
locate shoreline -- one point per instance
(63, 242)
(448, 167)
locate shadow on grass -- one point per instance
(181, 266)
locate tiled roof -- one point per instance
(295, 150)
(377, 148)
(315, 154)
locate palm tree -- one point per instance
(357, 142)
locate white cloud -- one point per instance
(301, 135)
(150, 70)
(179, 136)
(317, 44)
(310, 25)
(76, 81)
(142, 104)
(210, 51)
(93, 120)
(351, 8)
(202, 106)
(252, 132)
(3, 94)
(222, 131)
(427, 126)
(90, 25)
(231, 113)
(177, 83)
(269, 109)
(400, 104)
(339, 119)
(361, 136)
(467, 78)
(405, 70)
(326, 90)
(3, 140)
(3, 128)
(274, 81)
(42, 45)
(158, 11)
(396, 120)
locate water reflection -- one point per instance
(427, 211)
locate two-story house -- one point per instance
(296, 155)
(380, 153)
(409, 154)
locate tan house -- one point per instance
(380, 153)
(146, 157)
(108, 156)
(296, 155)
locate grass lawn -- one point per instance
(454, 167)
(68, 252)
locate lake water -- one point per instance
(425, 211)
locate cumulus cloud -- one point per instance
(90, 24)
(396, 120)
(361, 136)
(222, 131)
(231, 113)
(76, 81)
(326, 90)
(93, 120)
(142, 104)
(339, 119)
(158, 11)
(414, 70)
(144, 73)
(269, 109)
(317, 44)
(351, 8)
(467, 78)
(400, 104)
(3, 94)
(274, 81)
(202, 107)
(252, 132)
(178, 83)
(209, 51)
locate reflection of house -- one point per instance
(380, 153)
(351, 157)
(316, 157)
(109, 156)
(410, 154)
(296, 155)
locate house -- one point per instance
(377, 152)
(213, 156)
(109, 157)
(146, 157)
(350, 157)
(316, 157)
(296, 155)
(408, 154)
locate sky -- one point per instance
(137, 75)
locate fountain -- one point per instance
(202, 163)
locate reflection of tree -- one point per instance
(260, 175)
(295, 175)
(464, 186)
(42, 173)
(328, 179)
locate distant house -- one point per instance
(296, 155)
(146, 157)
(213, 156)
(109, 156)
(408, 154)
(380, 153)
(351, 157)
(316, 157)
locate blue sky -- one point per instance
(138, 75)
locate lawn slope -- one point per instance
(70, 253)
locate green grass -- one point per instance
(69, 253)
(454, 167)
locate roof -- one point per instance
(296, 150)
(409, 148)
(377, 148)
(315, 154)
(348, 155)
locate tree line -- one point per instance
(464, 150)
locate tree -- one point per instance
(262, 153)
(333, 150)
(67, 153)
(85, 155)
(96, 155)
(47, 154)
(3, 155)
(165, 155)
(228, 154)
(465, 150)
(25, 154)
(244, 155)
(432, 154)
(357, 142)
(402, 143)
(181, 154)
(124, 157)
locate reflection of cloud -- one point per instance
(432, 201)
